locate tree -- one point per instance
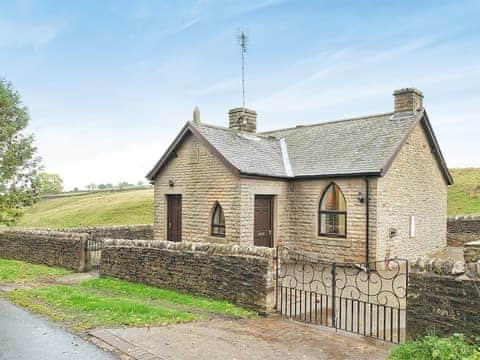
(49, 183)
(19, 164)
(91, 187)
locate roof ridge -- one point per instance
(218, 127)
(330, 122)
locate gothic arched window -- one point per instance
(332, 212)
(218, 221)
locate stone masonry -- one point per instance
(462, 230)
(202, 179)
(413, 186)
(52, 248)
(471, 252)
(443, 296)
(238, 274)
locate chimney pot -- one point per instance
(243, 119)
(408, 99)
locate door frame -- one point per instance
(272, 216)
(168, 213)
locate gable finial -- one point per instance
(196, 115)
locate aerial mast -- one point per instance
(243, 41)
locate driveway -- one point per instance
(26, 336)
(263, 338)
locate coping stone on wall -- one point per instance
(220, 249)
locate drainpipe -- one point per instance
(367, 220)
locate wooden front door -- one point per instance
(263, 221)
(174, 217)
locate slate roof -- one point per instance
(350, 147)
(250, 153)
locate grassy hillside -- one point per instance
(464, 194)
(104, 208)
(136, 206)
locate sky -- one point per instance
(109, 84)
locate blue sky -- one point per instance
(110, 83)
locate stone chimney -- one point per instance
(196, 115)
(408, 99)
(243, 119)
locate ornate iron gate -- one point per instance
(368, 300)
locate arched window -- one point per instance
(332, 213)
(218, 221)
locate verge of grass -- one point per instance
(454, 347)
(109, 302)
(15, 271)
(145, 292)
(83, 310)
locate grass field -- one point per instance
(136, 206)
(13, 271)
(464, 194)
(104, 208)
(109, 302)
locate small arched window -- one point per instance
(218, 221)
(332, 213)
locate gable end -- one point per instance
(188, 129)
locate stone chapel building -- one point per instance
(353, 190)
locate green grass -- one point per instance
(109, 302)
(13, 271)
(104, 208)
(145, 292)
(433, 347)
(464, 194)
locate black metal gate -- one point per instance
(368, 300)
(93, 252)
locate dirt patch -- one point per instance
(264, 338)
(75, 278)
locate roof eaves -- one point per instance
(437, 152)
(402, 142)
(422, 115)
(338, 175)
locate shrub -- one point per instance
(437, 348)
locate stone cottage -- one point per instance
(353, 190)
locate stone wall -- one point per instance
(413, 186)
(471, 251)
(52, 248)
(444, 296)
(462, 230)
(238, 274)
(144, 232)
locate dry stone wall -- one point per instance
(239, 274)
(52, 248)
(462, 230)
(445, 296)
(143, 231)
